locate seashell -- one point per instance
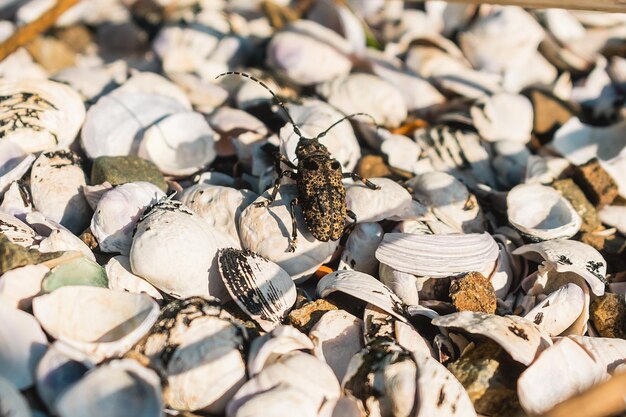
(93, 193)
(117, 213)
(607, 351)
(279, 401)
(128, 389)
(261, 288)
(313, 117)
(614, 216)
(40, 115)
(79, 271)
(121, 278)
(363, 287)
(503, 117)
(598, 93)
(266, 349)
(449, 199)
(544, 170)
(19, 286)
(167, 232)
(60, 240)
(240, 129)
(439, 256)
(204, 96)
(391, 199)
(340, 19)
(115, 124)
(90, 82)
(267, 231)
(56, 180)
(358, 254)
(402, 284)
(13, 403)
(510, 161)
(99, 322)
(14, 163)
(555, 314)
(179, 144)
(220, 206)
(152, 83)
(401, 151)
(16, 230)
(366, 93)
(561, 371)
(59, 369)
(509, 267)
(342, 407)
(521, 338)
(336, 338)
(197, 348)
(16, 200)
(439, 391)
(22, 345)
(291, 51)
(313, 378)
(541, 213)
(569, 256)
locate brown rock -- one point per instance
(550, 114)
(77, 37)
(51, 53)
(608, 314)
(586, 210)
(596, 183)
(612, 248)
(489, 375)
(473, 292)
(372, 166)
(89, 239)
(305, 317)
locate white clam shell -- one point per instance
(561, 371)
(204, 95)
(89, 81)
(313, 117)
(220, 206)
(449, 199)
(342, 407)
(19, 286)
(401, 151)
(614, 216)
(14, 163)
(363, 287)
(22, 345)
(541, 212)
(97, 321)
(277, 402)
(439, 256)
(519, 337)
(116, 123)
(179, 144)
(559, 310)
(169, 232)
(366, 93)
(16, 200)
(61, 239)
(267, 230)
(40, 115)
(266, 349)
(358, 255)
(153, 83)
(306, 373)
(404, 285)
(569, 256)
(13, 403)
(56, 182)
(93, 193)
(117, 212)
(503, 117)
(261, 288)
(375, 205)
(16, 230)
(125, 386)
(292, 50)
(336, 337)
(121, 278)
(608, 351)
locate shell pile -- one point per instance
(142, 276)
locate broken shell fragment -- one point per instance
(266, 349)
(358, 254)
(262, 289)
(121, 278)
(559, 310)
(16, 230)
(390, 200)
(19, 286)
(13, 403)
(14, 163)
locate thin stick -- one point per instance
(30, 31)
(602, 400)
(598, 5)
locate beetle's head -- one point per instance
(309, 147)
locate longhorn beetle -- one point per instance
(318, 176)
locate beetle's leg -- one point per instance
(279, 157)
(277, 184)
(294, 226)
(357, 177)
(349, 227)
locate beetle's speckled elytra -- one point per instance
(318, 176)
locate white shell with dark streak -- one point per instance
(261, 288)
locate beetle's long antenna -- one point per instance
(280, 103)
(321, 135)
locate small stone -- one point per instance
(372, 166)
(13, 255)
(51, 53)
(473, 292)
(305, 317)
(550, 114)
(123, 169)
(77, 37)
(612, 248)
(489, 375)
(608, 314)
(89, 239)
(586, 210)
(596, 183)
